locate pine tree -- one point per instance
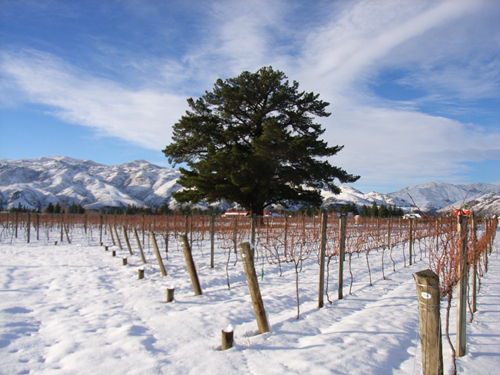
(374, 210)
(252, 140)
(383, 211)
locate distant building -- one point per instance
(236, 213)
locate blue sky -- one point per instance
(413, 86)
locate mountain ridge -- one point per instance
(34, 183)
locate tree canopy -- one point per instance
(252, 140)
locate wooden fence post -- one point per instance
(188, 256)
(66, 232)
(100, 229)
(476, 258)
(411, 241)
(139, 245)
(247, 256)
(117, 237)
(17, 221)
(252, 230)
(124, 230)
(157, 252)
(342, 234)
(227, 337)
(212, 238)
(322, 260)
(37, 226)
(61, 219)
(28, 225)
(170, 294)
(430, 322)
(462, 288)
(235, 233)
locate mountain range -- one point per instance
(34, 183)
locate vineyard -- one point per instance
(287, 251)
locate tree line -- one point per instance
(382, 211)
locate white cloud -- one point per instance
(143, 117)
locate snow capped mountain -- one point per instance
(34, 183)
(434, 196)
(351, 195)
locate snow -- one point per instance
(75, 309)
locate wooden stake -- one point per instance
(462, 288)
(66, 233)
(127, 242)
(100, 228)
(37, 226)
(28, 225)
(117, 238)
(474, 276)
(342, 239)
(247, 255)
(111, 234)
(430, 322)
(157, 252)
(170, 294)
(322, 260)
(212, 238)
(227, 337)
(140, 273)
(124, 261)
(411, 241)
(186, 249)
(139, 245)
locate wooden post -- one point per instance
(124, 261)
(186, 249)
(411, 241)
(167, 233)
(111, 234)
(62, 225)
(462, 288)
(430, 322)
(342, 235)
(322, 260)
(100, 228)
(247, 256)
(17, 221)
(157, 252)
(28, 225)
(140, 273)
(117, 238)
(127, 242)
(476, 258)
(66, 233)
(170, 294)
(235, 233)
(37, 226)
(212, 239)
(252, 230)
(227, 337)
(139, 245)
(113, 253)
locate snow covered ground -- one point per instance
(74, 309)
